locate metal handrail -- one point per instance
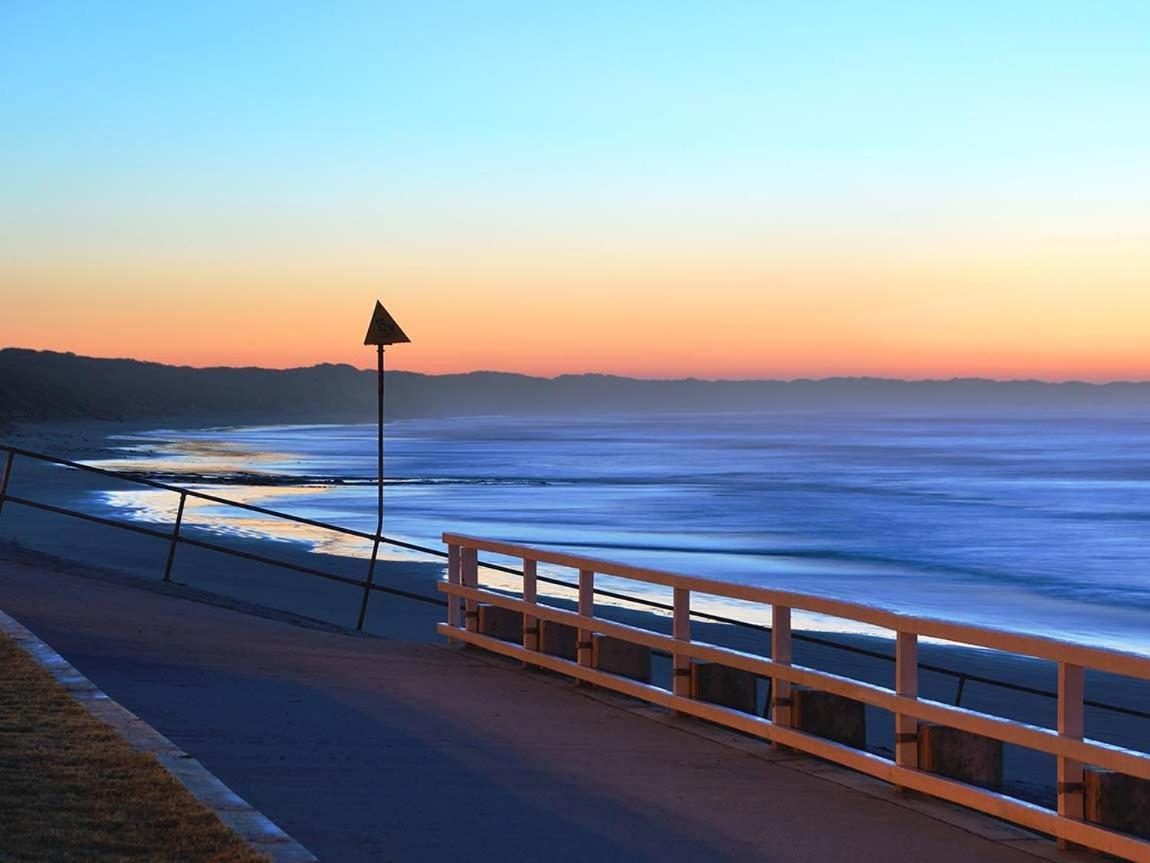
(175, 537)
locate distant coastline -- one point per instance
(38, 386)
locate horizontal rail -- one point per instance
(183, 539)
(307, 570)
(282, 564)
(1118, 662)
(992, 803)
(1106, 755)
(807, 638)
(249, 507)
(107, 522)
(961, 676)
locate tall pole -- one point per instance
(379, 429)
(379, 490)
(382, 331)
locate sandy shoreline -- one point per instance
(1028, 774)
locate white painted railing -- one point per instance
(1066, 743)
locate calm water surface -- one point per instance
(1037, 524)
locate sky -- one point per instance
(718, 190)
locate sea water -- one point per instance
(1036, 523)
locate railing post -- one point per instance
(681, 630)
(530, 594)
(367, 584)
(469, 574)
(587, 609)
(175, 537)
(906, 684)
(781, 699)
(4, 478)
(454, 618)
(1071, 724)
(958, 692)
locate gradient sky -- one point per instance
(657, 189)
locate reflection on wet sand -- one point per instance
(159, 506)
(197, 457)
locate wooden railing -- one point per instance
(1067, 743)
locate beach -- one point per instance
(1028, 523)
(103, 552)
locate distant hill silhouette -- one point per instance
(44, 385)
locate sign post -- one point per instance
(381, 332)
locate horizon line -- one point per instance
(676, 379)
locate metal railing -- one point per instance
(176, 536)
(1067, 744)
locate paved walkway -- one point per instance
(376, 750)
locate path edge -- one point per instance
(256, 830)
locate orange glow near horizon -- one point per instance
(722, 191)
(1049, 315)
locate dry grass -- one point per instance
(72, 790)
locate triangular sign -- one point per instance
(383, 330)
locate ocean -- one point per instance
(1037, 524)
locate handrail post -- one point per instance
(469, 574)
(906, 684)
(11, 457)
(681, 630)
(367, 583)
(587, 609)
(530, 594)
(175, 537)
(958, 693)
(379, 508)
(453, 616)
(1071, 724)
(781, 699)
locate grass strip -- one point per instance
(72, 790)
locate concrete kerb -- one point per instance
(251, 825)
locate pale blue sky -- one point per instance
(324, 97)
(583, 147)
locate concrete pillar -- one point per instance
(721, 684)
(962, 755)
(1117, 801)
(501, 623)
(558, 639)
(834, 717)
(616, 656)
